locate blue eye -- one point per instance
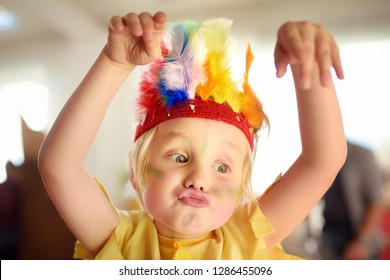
(179, 158)
(222, 168)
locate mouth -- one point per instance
(193, 198)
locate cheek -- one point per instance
(159, 186)
(153, 201)
(150, 196)
(227, 193)
(229, 197)
(222, 215)
(159, 178)
(228, 189)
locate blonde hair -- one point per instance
(139, 160)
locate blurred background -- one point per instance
(46, 48)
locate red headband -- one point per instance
(197, 108)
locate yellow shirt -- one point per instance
(241, 238)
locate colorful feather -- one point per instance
(149, 92)
(251, 106)
(195, 63)
(218, 83)
(180, 73)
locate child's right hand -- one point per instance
(135, 39)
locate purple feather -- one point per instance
(181, 71)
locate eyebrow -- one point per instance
(173, 134)
(233, 146)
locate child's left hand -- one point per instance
(304, 44)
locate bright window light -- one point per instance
(364, 94)
(364, 100)
(28, 100)
(8, 20)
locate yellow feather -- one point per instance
(218, 84)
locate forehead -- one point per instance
(200, 130)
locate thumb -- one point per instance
(281, 61)
(153, 47)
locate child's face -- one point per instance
(194, 177)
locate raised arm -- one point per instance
(310, 51)
(132, 40)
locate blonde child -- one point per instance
(194, 143)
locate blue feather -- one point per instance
(172, 96)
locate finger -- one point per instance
(306, 53)
(116, 24)
(147, 23)
(151, 37)
(286, 46)
(336, 61)
(297, 41)
(133, 23)
(289, 39)
(324, 58)
(160, 21)
(281, 61)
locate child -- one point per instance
(191, 164)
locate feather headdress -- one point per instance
(193, 79)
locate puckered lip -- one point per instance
(193, 198)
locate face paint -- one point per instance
(223, 192)
(188, 219)
(154, 172)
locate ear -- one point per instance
(132, 180)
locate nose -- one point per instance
(196, 178)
